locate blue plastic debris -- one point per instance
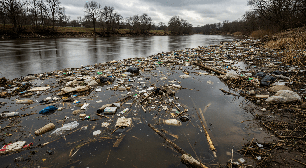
(48, 109)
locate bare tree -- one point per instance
(54, 10)
(43, 12)
(2, 12)
(145, 23)
(162, 26)
(93, 10)
(13, 10)
(63, 19)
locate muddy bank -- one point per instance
(105, 108)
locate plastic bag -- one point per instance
(66, 127)
(284, 96)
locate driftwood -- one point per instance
(185, 158)
(210, 143)
(210, 68)
(224, 91)
(180, 150)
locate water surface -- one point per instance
(31, 56)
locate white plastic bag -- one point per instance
(284, 96)
(66, 127)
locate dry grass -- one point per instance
(237, 34)
(293, 43)
(260, 33)
(75, 29)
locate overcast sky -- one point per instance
(196, 12)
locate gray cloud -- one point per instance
(196, 12)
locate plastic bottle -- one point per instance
(11, 114)
(45, 129)
(48, 109)
(24, 101)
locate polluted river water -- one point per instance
(30, 56)
(166, 87)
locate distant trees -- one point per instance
(92, 9)
(43, 16)
(13, 11)
(110, 19)
(54, 9)
(179, 26)
(269, 15)
(280, 14)
(162, 26)
(145, 23)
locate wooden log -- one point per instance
(210, 143)
(185, 158)
(210, 68)
(180, 150)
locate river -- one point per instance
(229, 118)
(31, 56)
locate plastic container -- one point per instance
(45, 129)
(110, 110)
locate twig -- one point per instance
(299, 162)
(211, 145)
(75, 152)
(224, 91)
(211, 69)
(108, 156)
(180, 150)
(115, 130)
(248, 147)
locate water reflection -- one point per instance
(22, 57)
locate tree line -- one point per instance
(36, 13)
(268, 15)
(44, 16)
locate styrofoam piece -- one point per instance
(96, 132)
(123, 122)
(116, 104)
(105, 124)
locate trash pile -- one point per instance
(116, 94)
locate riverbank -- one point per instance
(67, 32)
(248, 68)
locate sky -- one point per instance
(196, 12)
